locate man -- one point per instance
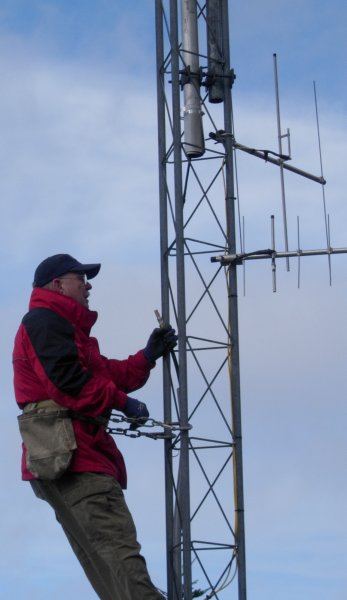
(62, 380)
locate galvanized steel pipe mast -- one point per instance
(205, 550)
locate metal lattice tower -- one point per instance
(203, 465)
(199, 260)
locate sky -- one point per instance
(79, 174)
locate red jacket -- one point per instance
(55, 357)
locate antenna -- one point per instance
(279, 159)
(214, 82)
(190, 81)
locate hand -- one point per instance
(134, 409)
(161, 341)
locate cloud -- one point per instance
(74, 149)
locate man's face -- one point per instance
(76, 286)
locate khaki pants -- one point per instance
(92, 511)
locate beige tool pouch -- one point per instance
(49, 438)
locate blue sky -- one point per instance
(78, 161)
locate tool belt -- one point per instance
(47, 432)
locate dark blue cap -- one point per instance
(59, 264)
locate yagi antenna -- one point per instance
(281, 159)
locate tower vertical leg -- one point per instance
(233, 317)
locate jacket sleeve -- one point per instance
(55, 360)
(130, 374)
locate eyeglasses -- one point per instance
(79, 277)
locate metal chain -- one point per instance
(166, 434)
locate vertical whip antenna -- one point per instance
(326, 218)
(280, 136)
